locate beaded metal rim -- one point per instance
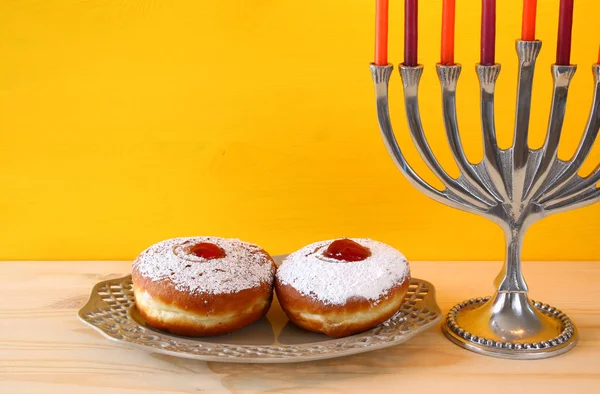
(559, 344)
(109, 311)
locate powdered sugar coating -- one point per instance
(335, 282)
(245, 266)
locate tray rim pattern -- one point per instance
(113, 320)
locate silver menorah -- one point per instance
(513, 188)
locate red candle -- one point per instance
(565, 26)
(598, 55)
(528, 26)
(448, 24)
(381, 32)
(488, 32)
(411, 34)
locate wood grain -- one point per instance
(44, 348)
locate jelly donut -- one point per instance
(201, 286)
(342, 287)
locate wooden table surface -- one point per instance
(44, 348)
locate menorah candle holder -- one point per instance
(512, 187)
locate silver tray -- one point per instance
(274, 339)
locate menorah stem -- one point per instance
(509, 321)
(510, 279)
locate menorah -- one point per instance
(512, 187)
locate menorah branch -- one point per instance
(527, 52)
(562, 76)
(381, 76)
(560, 185)
(575, 188)
(411, 77)
(576, 201)
(492, 161)
(448, 76)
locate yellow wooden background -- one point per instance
(124, 122)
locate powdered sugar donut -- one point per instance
(202, 286)
(342, 287)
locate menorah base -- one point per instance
(509, 325)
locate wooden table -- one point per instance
(44, 348)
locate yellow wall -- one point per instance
(124, 122)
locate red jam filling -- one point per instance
(346, 250)
(207, 251)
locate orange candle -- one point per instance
(529, 14)
(381, 32)
(598, 55)
(448, 25)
